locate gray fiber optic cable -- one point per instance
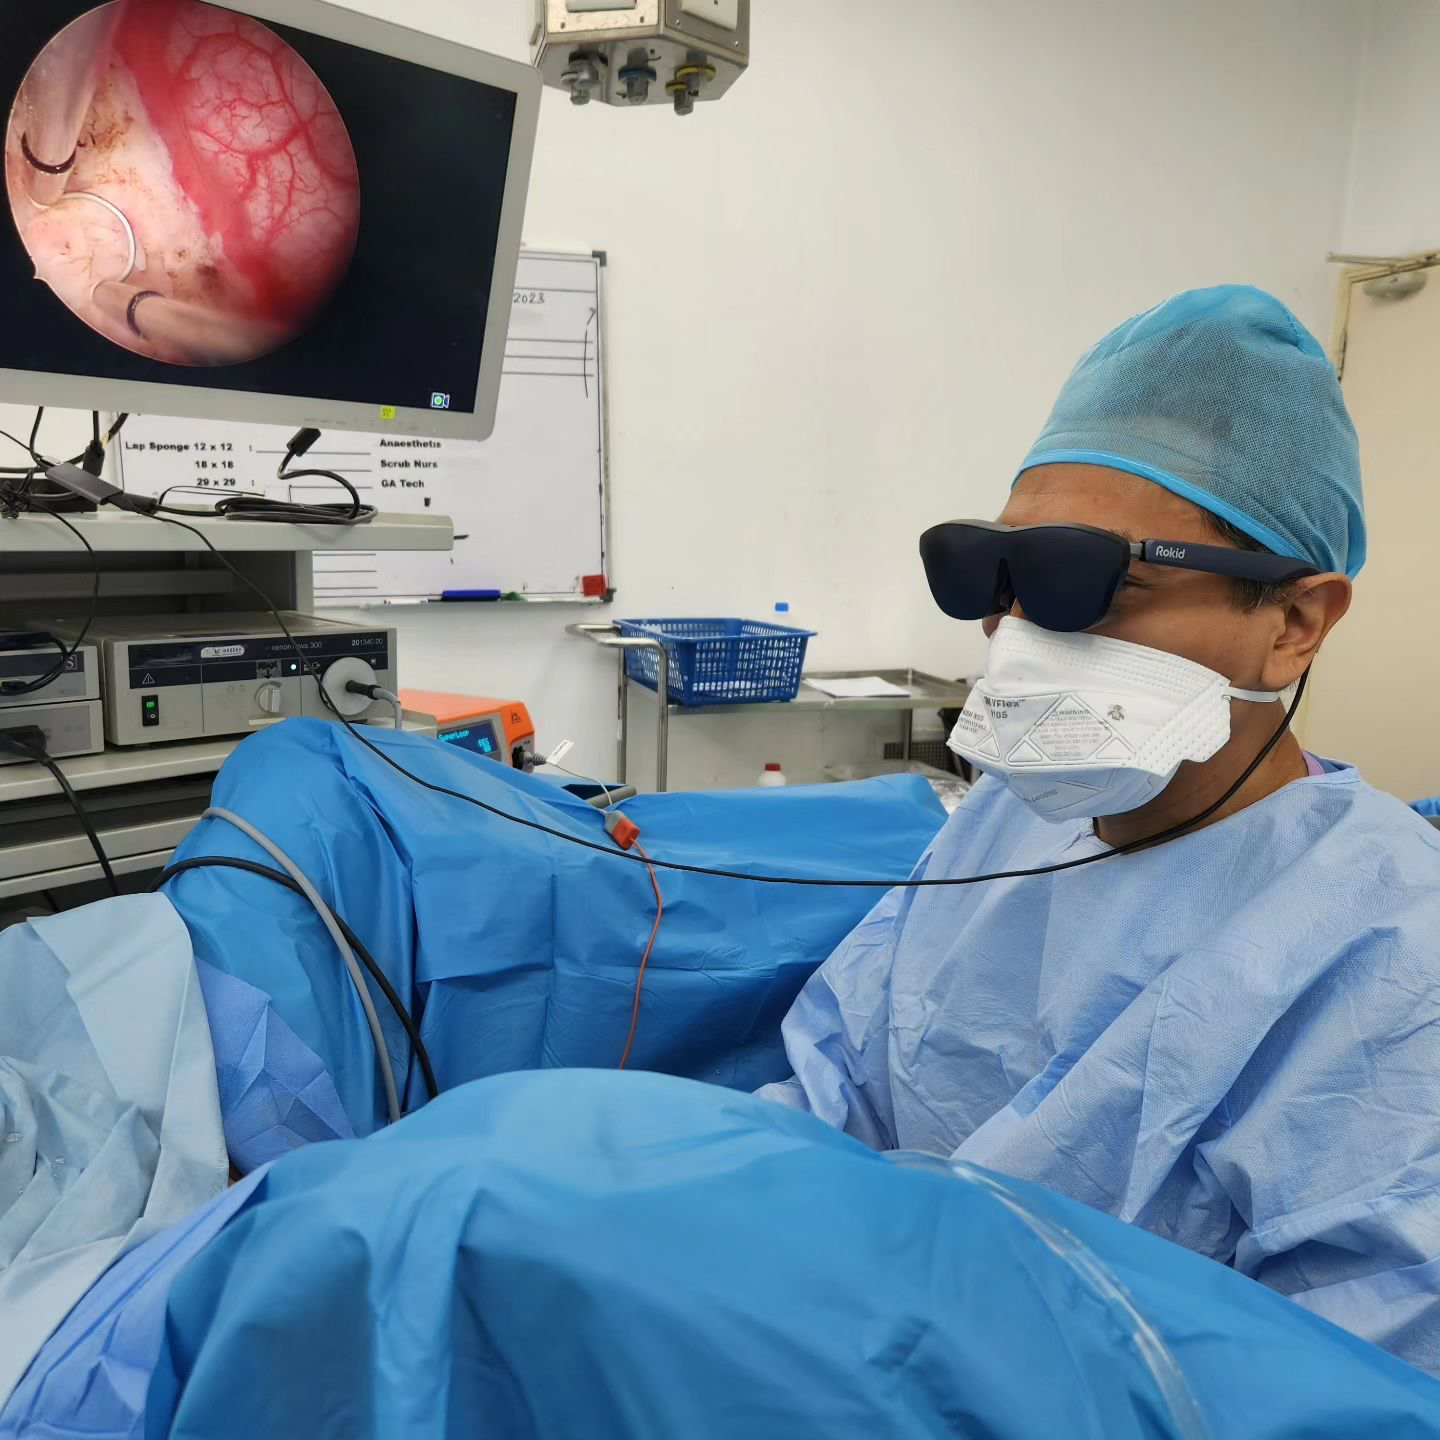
(382, 1055)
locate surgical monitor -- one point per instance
(269, 210)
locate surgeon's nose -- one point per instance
(991, 623)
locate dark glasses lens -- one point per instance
(1064, 576)
(965, 565)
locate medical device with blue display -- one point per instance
(497, 729)
(479, 738)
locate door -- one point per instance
(1375, 690)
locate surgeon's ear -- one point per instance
(1313, 607)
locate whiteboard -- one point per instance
(529, 504)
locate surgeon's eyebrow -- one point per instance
(1131, 538)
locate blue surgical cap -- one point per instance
(1223, 397)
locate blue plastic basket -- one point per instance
(720, 662)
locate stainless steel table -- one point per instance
(926, 692)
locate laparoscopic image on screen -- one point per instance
(196, 197)
(182, 180)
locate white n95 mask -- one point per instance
(1081, 725)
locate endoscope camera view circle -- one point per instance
(182, 180)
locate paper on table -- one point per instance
(860, 688)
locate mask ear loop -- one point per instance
(827, 882)
(1263, 697)
(1204, 815)
(1145, 842)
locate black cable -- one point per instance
(8, 639)
(94, 452)
(28, 472)
(356, 513)
(286, 512)
(41, 756)
(167, 519)
(807, 881)
(67, 653)
(199, 512)
(17, 469)
(290, 512)
(35, 436)
(38, 464)
(202, 862)
(92, 460)
(817, 883)
(14, 500)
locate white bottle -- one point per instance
(771, 776)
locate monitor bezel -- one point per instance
(83, 392)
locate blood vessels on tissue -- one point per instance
(188, 155)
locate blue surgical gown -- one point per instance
(1232, 1040)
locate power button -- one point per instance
(149, 710)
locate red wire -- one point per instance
(645, 961)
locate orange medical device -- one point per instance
(498, 729)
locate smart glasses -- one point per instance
(1065, 576)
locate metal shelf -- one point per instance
(133, 765)
(116, 532)
(118, 767)
(84, 874)
(140, 797)
(138, 828)
(927, 692)
(47, 864)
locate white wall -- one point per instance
(843, 298)
(1393, 206)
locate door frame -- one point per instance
(1351, 276)
(1360, 274)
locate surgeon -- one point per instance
(1209, 1003)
